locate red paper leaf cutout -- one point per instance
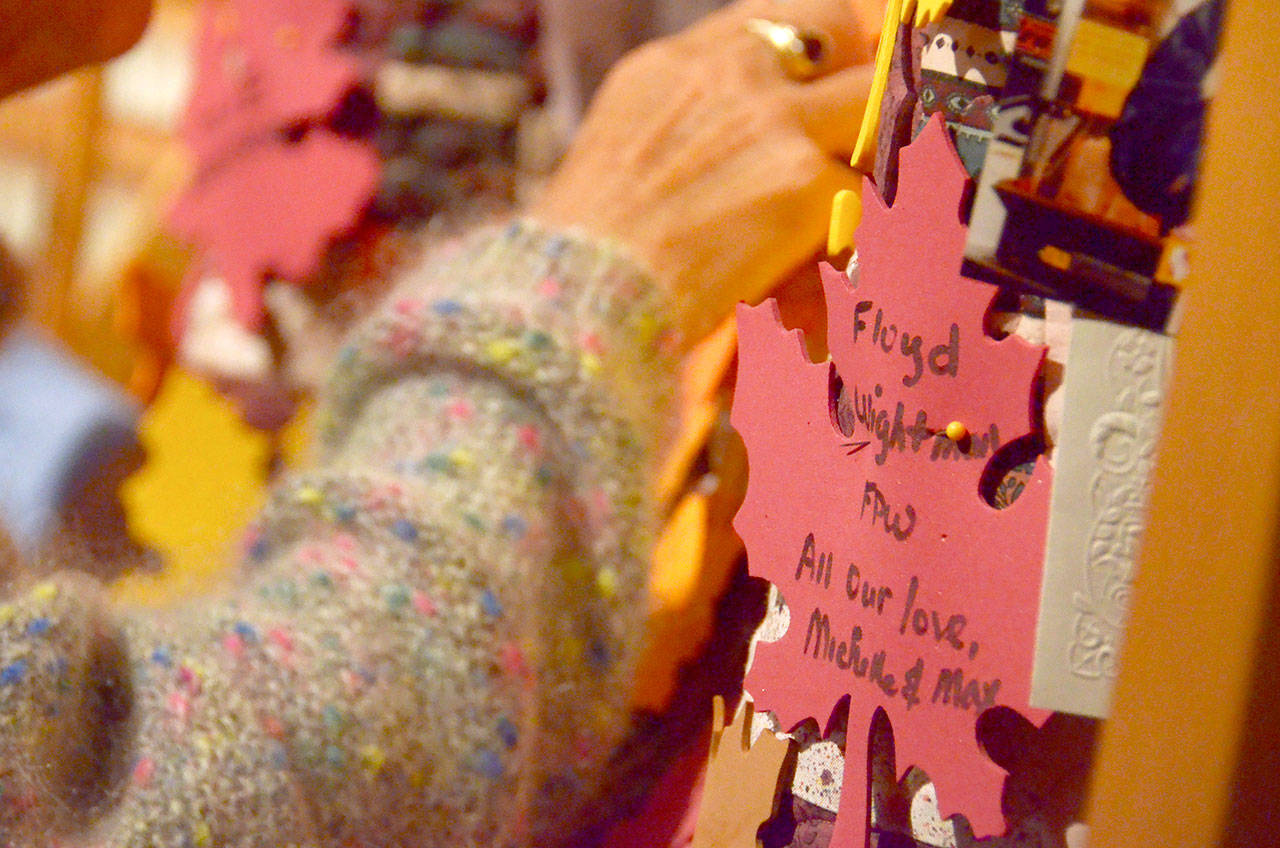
(817, 508)
(274, 208)
(262, 65)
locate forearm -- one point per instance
(425, 616)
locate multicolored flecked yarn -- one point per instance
(432, 641)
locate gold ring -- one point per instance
(802, 53)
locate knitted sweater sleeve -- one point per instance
(432, 641)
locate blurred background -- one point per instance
(83, 170)
(198, 220)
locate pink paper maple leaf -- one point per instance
(262, 65)
(274, 208)
(906, 590)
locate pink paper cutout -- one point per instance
(261, 201)
(262, 65)
(806, 477)
(273, 209)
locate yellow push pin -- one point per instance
(957, 432)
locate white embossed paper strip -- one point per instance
(1113, 397)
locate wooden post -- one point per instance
(74, 168)
(1181, 758)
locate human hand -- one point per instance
(712, 165)
(40, 39)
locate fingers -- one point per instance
(831, 107)
(852, 41)
(849, 40)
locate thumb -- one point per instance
(831, 108)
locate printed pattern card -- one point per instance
(1093, 157)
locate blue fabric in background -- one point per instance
(1155, 144)
(58, 423)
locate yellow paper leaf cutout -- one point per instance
(204, 479)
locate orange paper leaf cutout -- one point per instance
(741, 782)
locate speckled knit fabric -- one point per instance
(433, 637)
